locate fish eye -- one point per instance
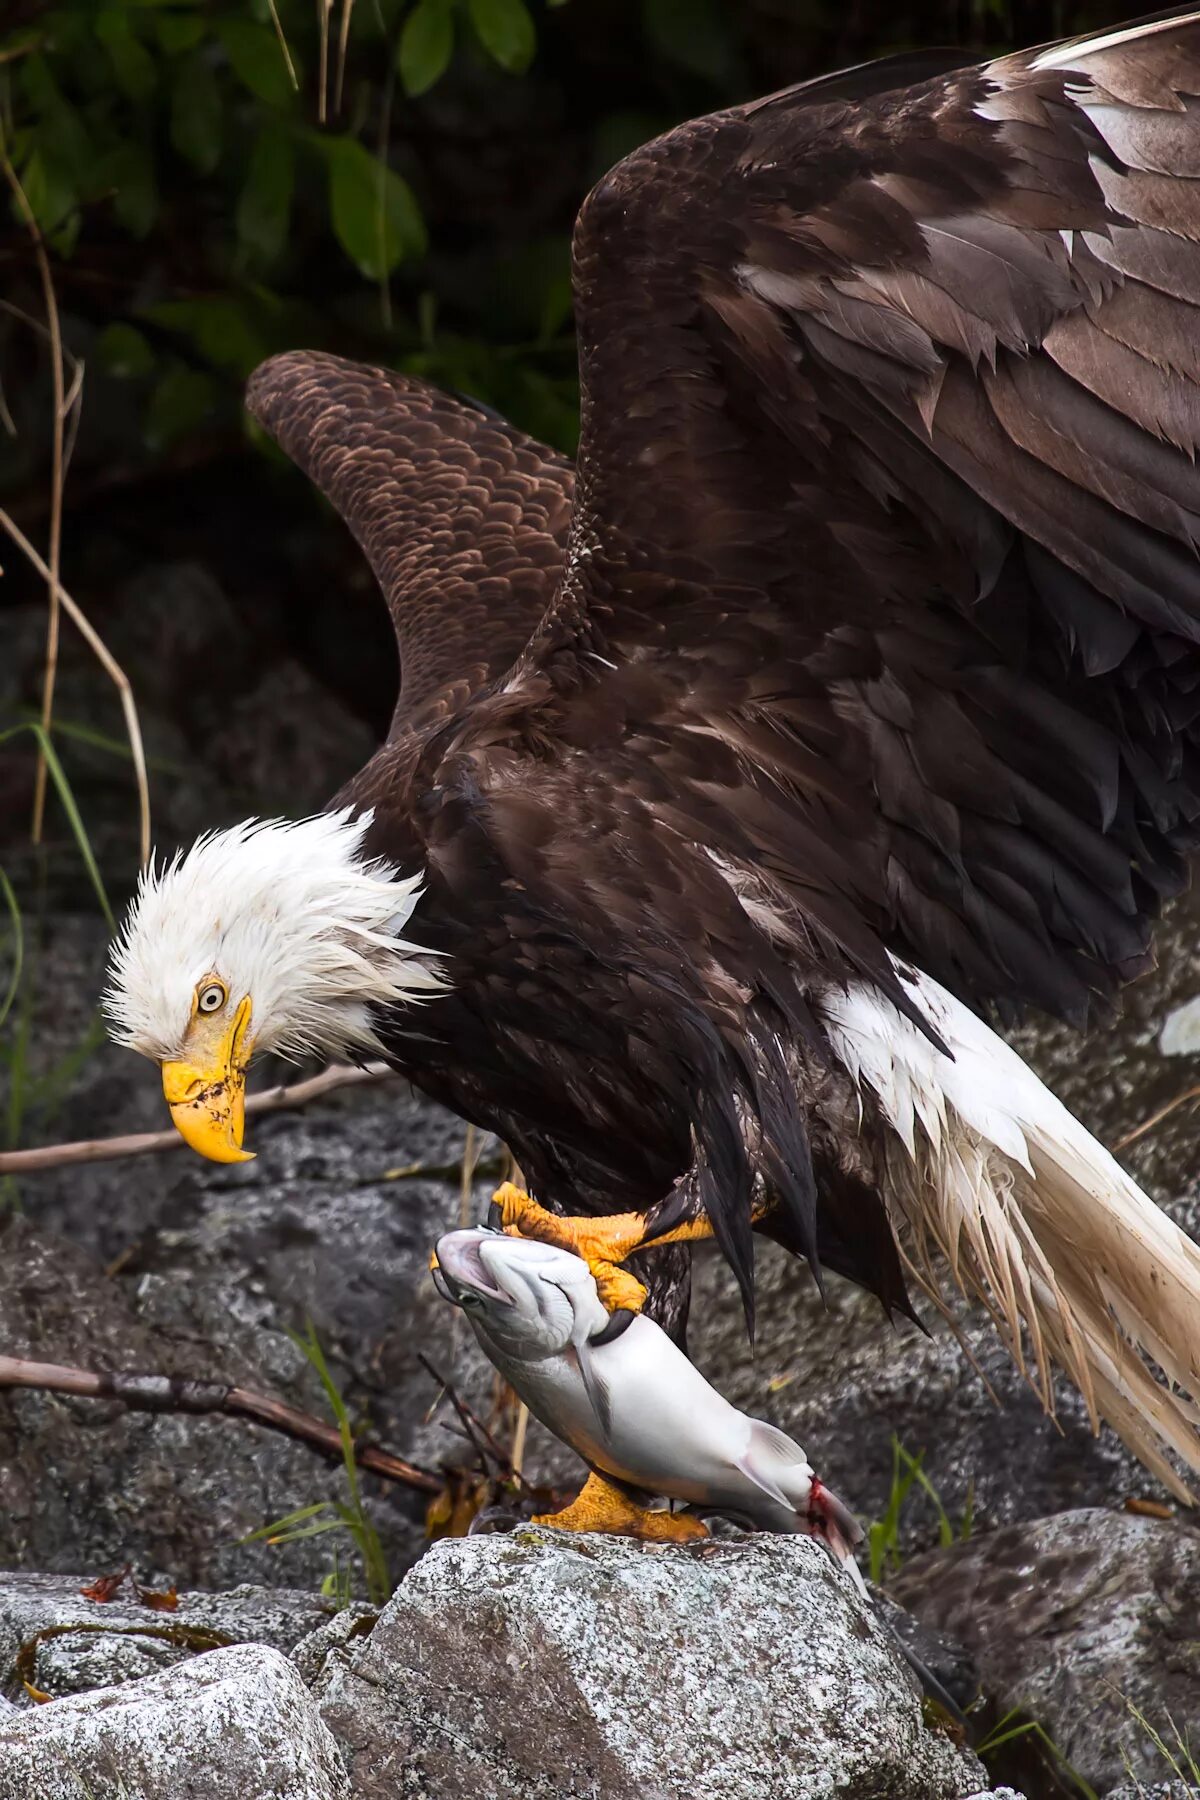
(211, 997)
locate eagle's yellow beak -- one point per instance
(207, 1093)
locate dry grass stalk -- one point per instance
(57, 478)
(112, 669)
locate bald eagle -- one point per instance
(846, 693)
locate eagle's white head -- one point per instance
(273, 935)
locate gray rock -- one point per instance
(1079, 1620)
(1161, 1790)
(540, 1665)
(62, 1643)
(313, 1652)
(237, 1724)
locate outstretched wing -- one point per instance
(462, 518)
(883, 573)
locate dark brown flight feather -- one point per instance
(869, 639)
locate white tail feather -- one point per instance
(1034, 1217)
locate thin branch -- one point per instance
(57, 479)
(1139, 1131)
(324, 9)
(112, 669)
(484, 1441)
(283, 45)
(284, 1098)
(180, 1394)
(343, 40)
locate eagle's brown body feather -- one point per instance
(868, 636)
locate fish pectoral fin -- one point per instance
(594, 1384)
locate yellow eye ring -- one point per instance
(210, 997)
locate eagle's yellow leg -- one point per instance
(602, 1506)
(603, 1243)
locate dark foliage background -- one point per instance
(214, 180)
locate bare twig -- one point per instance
(57, 478)
(284, 46)
(180, 1394)
(112, 669)
(284, 1098)
(343, 39)
(1139, 1131)
(485, 1443)
(324, 10)
(520, 1430)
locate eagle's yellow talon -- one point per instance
(619, 1291)
(602, 1506)
(602, 1243)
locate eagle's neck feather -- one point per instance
(294, 913)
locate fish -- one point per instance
(623, 1395)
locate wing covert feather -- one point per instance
(885, 561)
(463, 518)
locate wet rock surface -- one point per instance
(237, 1724)
(1084, 1621)
(537, 1666)
(59, 1641)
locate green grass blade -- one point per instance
(62, 786)
(288, 1520)
(14, 913)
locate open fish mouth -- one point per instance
(461, 1267)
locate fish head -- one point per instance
(526, 1301)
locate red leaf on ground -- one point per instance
(105, 1587)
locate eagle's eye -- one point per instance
(470, 1299)
(211, 997)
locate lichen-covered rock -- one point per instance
(1079, 1620)
(541, 1665)
(236, 1724)
(60, 1642)
(1159, 1790)
(346, 1627)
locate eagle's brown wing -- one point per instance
(462, 518)
(883, 577)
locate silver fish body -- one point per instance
(631, 1404)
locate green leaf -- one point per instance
(374, 213)
(178, 31)
(129, 169)
(196, 115)
(61, 134)
(257, 59)
(426, 45)
(506, 31)
(180, 403)
(265, 203)
(53, 200)
(694, 34)
(221, 326)
(132, 63)
(123, 352)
